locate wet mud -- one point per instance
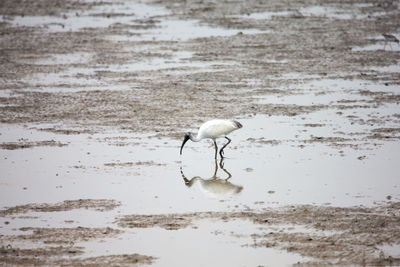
(152, 70)
(60, 246)
(317, 47)
(96, 204)
(29, 144)
(62, 256)
(344, 236)
(328, 235)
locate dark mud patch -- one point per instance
(381, 97)
(41, 7)
(66, 256)
(63, 131)
(61, 236)
(96, 204)
(130, 164)
(121, 140)
(29, 144)
(340, 235)
(264, 141)
(168, 222)
(322, 139)
(14, 256)
(112, 260)
(387, 130)
(313, 125)
(385, 134)
(57, 246)
(329, 235)
(289, 110)
(336, 142)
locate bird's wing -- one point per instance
(217, 128)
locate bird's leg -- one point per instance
(216, 149)
(221, 152)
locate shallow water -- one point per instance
(223, 244)
(145, 173)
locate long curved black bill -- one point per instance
(185, 139)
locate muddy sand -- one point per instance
(95, 97)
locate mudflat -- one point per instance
(95, 97)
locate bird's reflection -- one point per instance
(214, 187)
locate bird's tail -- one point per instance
(238, 124)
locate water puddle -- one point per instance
(329, 12)
(390, 69)
(183, 30)
(392, 250)
(339, 95)
(73, 77)
(347, 85)
(180, 61)
(212, 241)
(380, 46)
(99, 16)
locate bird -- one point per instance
(390, 38)
(214, 129)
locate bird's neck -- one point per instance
(194, 138)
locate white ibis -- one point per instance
(390, 38)
(214, 129)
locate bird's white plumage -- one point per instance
(213, 129)
(216, 128)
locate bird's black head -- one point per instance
(185, 139)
